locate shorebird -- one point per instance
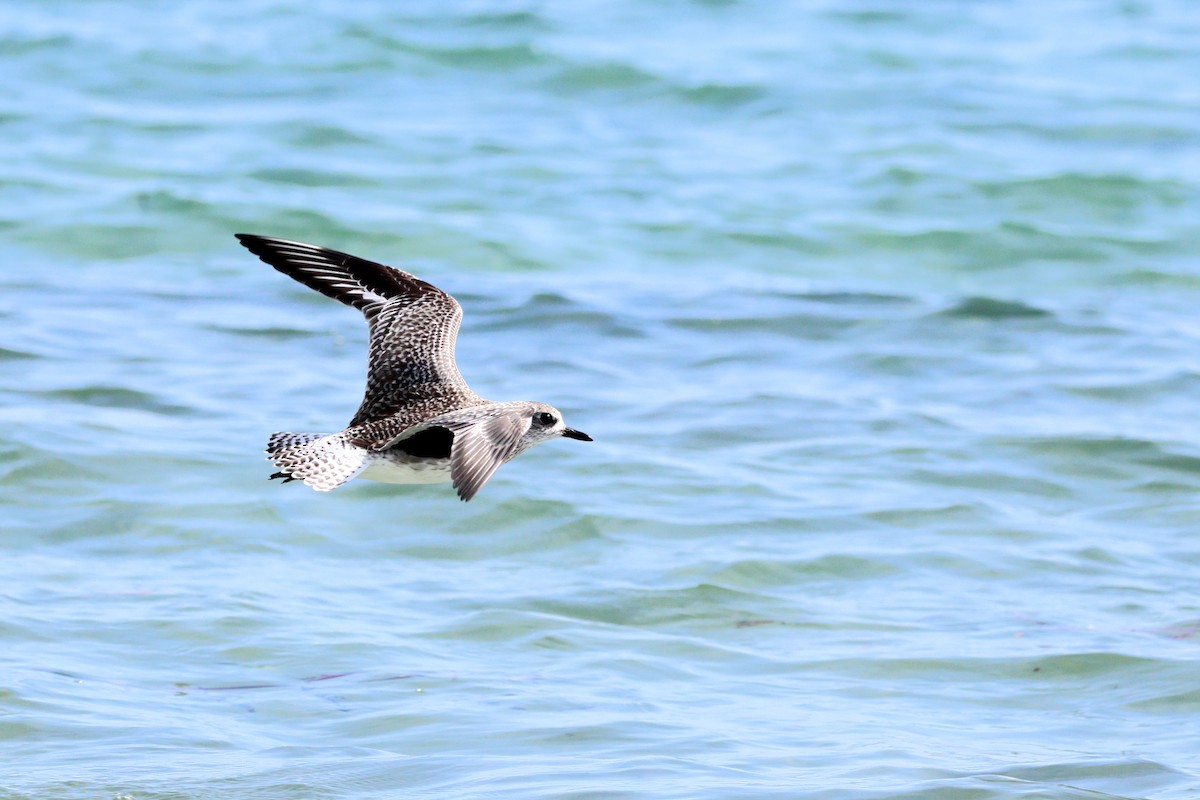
(419, 421)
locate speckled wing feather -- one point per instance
(411, 357)
(482, 447)
(411, 374)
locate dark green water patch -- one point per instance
(274, 333)
(479, 57)
(749, 574)
(525, 21)
(993, 308)
(163, 201)
(599, 77)
(721, 96)
(1178, 462)
(116, 397)
(852, 298)
(319, 136)
(783, 240)
(1178, 384)
(308, 177)
(1085, 446)
(15, 355)
(1118, 191)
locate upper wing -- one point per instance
(414, 324)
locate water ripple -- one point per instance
(883, 321)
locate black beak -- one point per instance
(571, 433)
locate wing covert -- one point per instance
(411, 356)
(413, 324)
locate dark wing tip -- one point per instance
(318, 268)
(386, 282)
(468, 489)
(262, 244)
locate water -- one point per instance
(883, 317)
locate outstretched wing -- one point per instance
(414, 324)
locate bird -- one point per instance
(419, 421)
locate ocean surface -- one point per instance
(885, 318)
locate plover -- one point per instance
(419, 421)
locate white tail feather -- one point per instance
(322, 461)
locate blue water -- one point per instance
(883, 317)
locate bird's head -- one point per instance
(546, 423)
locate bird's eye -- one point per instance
(545, 418)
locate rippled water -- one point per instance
(883, 316)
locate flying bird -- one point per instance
(419, 421)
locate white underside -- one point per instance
(387, 470)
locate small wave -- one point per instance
(316, 136)
(525, 21)
(1146, 276)
(875, 16)
(1179, 462)
(1120, 191)
(613, 75)
(992, 308)
(1087, 447)
(781, 239)
(602, 76)
(755, 574)
(115, 397)
(1135, 390)
(552, 309)
(1130, 133)
(847, 298)
(721, 95)
(16, 46)
(168, 202)
(15, 355)
(493, 57)
(273, 333)
(309, 177)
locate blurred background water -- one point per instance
(883, 316)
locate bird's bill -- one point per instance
(571, 433)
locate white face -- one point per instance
(547, 423)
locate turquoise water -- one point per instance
(883, 316)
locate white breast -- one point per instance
(407, 470)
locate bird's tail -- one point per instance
(323, 461)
